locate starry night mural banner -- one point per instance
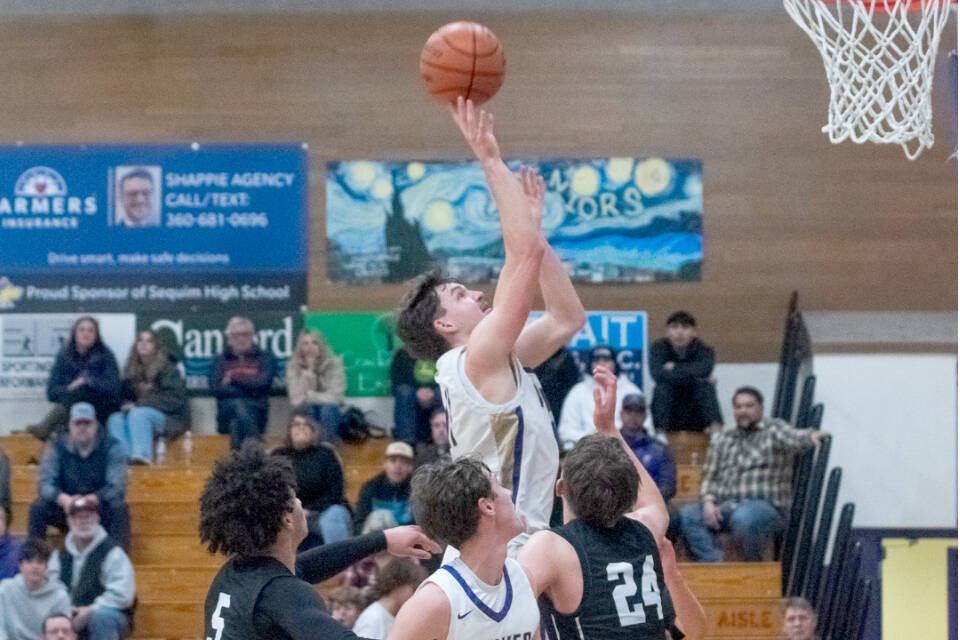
(609, 220)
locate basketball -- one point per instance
(462, 59)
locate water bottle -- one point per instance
(187, 446)
(161, 450)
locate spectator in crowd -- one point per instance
(85, 370)
(389, 490)
(316, 381)
(747, 481)
(155, 399)
(439, 445)
(58, 626)
(576, 416)
(27, 599)
(240, 380)
(799, 620)
(9, 546)
(97, 573)
(557, 375)
(84, 462)
(685, 398)
(395, 584)
(415, 396)
(319, 482)
(346, 602)
(652, 454)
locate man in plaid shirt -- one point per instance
(747, 481)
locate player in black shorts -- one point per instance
(601, 574)
(249, 511)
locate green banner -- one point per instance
(365, 342)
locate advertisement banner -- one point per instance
(609, 220)
(195, 339)
(624, 331)
(31, 342)
(150, 227)
(365, 342)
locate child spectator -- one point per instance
(319, 482)
(85, 370)
(27, 599)
(316, 381)
(346, 603)
(396, 583)
(155, 397)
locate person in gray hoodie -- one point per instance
(97, 574)
(28, 598)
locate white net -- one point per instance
(879, 56)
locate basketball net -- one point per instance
(879, 66)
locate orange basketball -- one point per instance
(462, 59)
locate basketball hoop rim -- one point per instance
(915, 5)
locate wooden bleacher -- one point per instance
(173, 570)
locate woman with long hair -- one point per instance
(155, 399)
(316, 381)
(85, 370)
(319, 481)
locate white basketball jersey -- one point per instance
(479, 611)
(515, 439)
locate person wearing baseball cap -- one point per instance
(653, 454)
(96, 572)
(390, 489)
(576, 415)
(83, 462)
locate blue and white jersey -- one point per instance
(479, 611)
(515, 439)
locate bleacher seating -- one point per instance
(173, 570)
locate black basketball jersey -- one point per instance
(228, 610)
(624, 595)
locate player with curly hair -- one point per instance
(249, 511)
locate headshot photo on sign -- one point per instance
(137, 196)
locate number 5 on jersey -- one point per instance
(216, 620)
(622, 572)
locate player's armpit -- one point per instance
(425, 616)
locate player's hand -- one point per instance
(533, 189)
(79, 382)
(712, 517)
(409, 542)
(818, 436)
(605, 401)
(669, 366)
(477, 128)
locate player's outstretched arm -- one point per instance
(650, 509)
(691, 618)
(492, 341)
(564, 315)
(425, 616)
